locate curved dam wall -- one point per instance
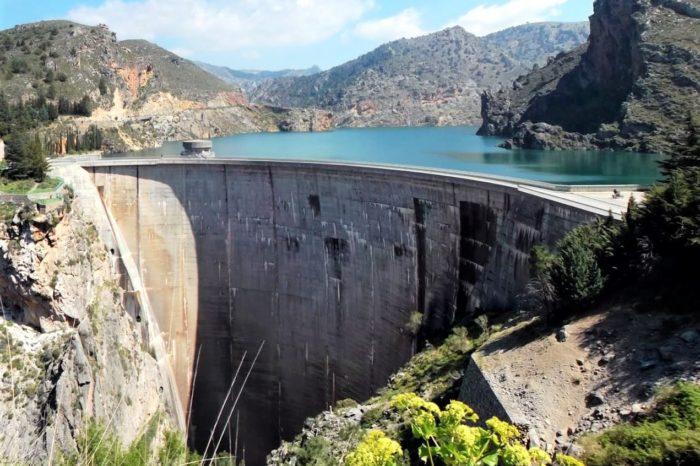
(323, 263)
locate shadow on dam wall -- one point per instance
(325, 264)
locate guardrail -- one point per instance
(32, 196)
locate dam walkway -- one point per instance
(597, 199)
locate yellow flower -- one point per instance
(539, 457)
(457, 412)
(466, 437)
(564, 460)
(504, 431)
(376, 449)
(412, 402)
(515, 455)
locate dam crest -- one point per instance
(325, 263)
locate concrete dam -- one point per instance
(324, 263)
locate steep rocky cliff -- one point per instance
(69, 351)
(141, 94)
(431, 80)
(634, 87)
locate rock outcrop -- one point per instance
(634, 87)
(430, 80)
(69, 351)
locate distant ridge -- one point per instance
(435, 79)
(249, 79)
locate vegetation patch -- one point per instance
(7, 211)
(670, 435)
(434, 371)
(656, 247)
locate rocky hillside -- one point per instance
(634, 87)
(434, 79)
(248, 80)
(69, 351)
(140, 94)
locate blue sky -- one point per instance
(275, 34)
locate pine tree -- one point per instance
(689, 157)
(64, 106)
(102, 86)
(25, 157)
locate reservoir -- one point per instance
(447, 148)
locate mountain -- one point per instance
(433, 79)
(140, 94)
(634, 87)
(249, 79)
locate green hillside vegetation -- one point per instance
(669, 435)
(70, 60)
(25, 153)
(656, 247)
(40, 59)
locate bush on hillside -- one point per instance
(576, 272)
(572, 278)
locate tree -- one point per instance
(52, 111)
(576, 274)
(84, 107)
(92, 140)
(64, 106)
(51, 92)
(689, 156)
(102, 86)
(25, 157)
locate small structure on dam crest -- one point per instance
(198, 148)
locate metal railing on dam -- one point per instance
(324, 262)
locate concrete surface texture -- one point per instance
(324, 263)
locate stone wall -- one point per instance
(324, 264)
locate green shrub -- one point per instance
(316, 451)
(576, 274)
(18, 66)
(670, 435)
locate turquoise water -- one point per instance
(453, 148)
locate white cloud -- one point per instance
(225, 25)
(404, 24)
(484, 19)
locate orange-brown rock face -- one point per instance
(135, 77)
